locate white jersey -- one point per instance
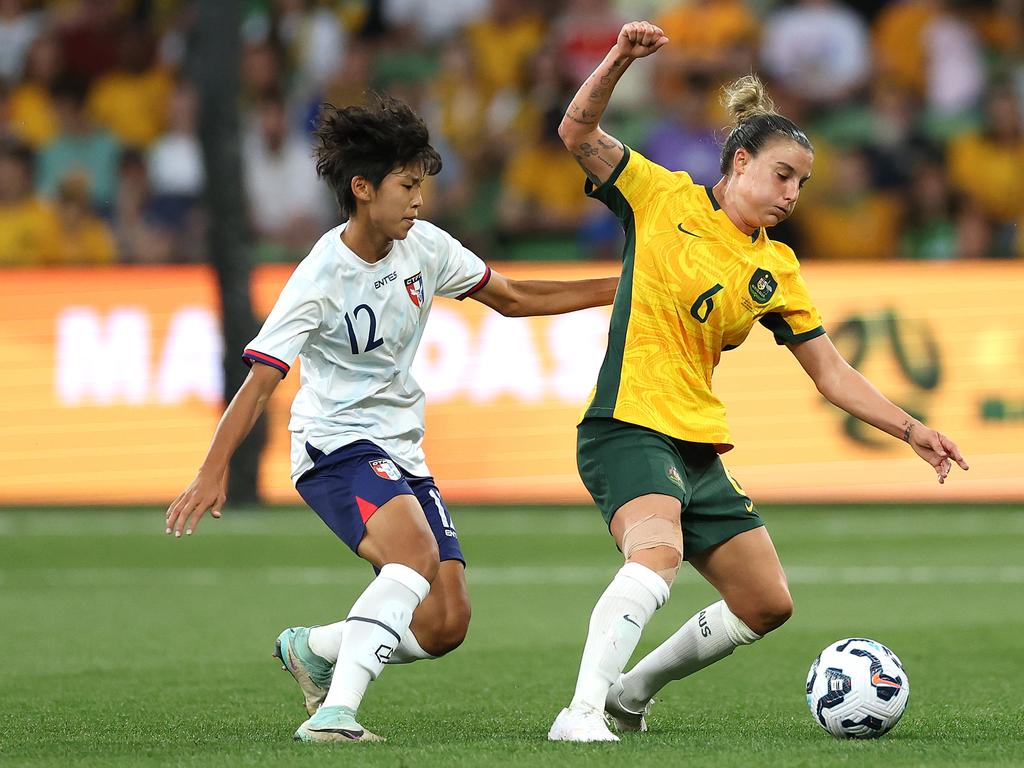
(355, 327)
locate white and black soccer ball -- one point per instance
(857, 688)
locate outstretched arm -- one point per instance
(845, 387)
(597, 152)
(525, 298)
(207, 491)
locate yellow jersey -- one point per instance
(692, 286)
(29, 233)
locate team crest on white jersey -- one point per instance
(386, 469)
(414, 285)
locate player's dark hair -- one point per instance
(755, 121)
(370, 141)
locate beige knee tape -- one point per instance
(651, 532)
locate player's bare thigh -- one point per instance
(639, 510)
(748, 575)
(398, 532)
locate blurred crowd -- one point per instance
(915, 108)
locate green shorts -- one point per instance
(619, 462)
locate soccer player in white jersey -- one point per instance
(353, 312)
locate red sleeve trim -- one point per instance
(251, 356)
(483, 281)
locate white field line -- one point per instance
(306, 524)
(482, 576)
(828, 525)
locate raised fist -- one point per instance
(640, 38)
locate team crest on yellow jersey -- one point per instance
(762, 286)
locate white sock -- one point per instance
(409, 650)
(374, 627)
(619, 617)
(707, 637)
(325, 641)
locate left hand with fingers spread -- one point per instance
(205, 493)
(935, 448)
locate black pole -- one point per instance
(218, 57)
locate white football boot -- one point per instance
(580, 724)
(624, 719)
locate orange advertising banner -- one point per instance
(113, 387)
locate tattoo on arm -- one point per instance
(594, 93)
(604, 85)
(908, 427)
(588, 150)
(581, 115)
(583, 164)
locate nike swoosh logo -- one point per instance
(626, 617)
(348, 734)
(876, 680)
(749, 505)
(686, 231)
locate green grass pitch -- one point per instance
(123, 647)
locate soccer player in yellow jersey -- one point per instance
(698, 272)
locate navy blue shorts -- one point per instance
(345, 487)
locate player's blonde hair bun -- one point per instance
(754, 120)
(746, 98)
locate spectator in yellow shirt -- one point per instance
(131, 101)
(458, 99)
(714, 39)
(898, 40)
(852, 222)
(84, 237)
(28, 225)
(712, 36)
(986, 165)
(33, 114)
(502, 44)
(541, 188)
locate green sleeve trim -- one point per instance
(777, 324)
(592, 190)
(609, 376)
(800, 338)
(607, 192)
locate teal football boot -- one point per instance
(311, 672)
(334, 724)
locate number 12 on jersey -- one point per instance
(372, 342)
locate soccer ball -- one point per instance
(857, 689)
